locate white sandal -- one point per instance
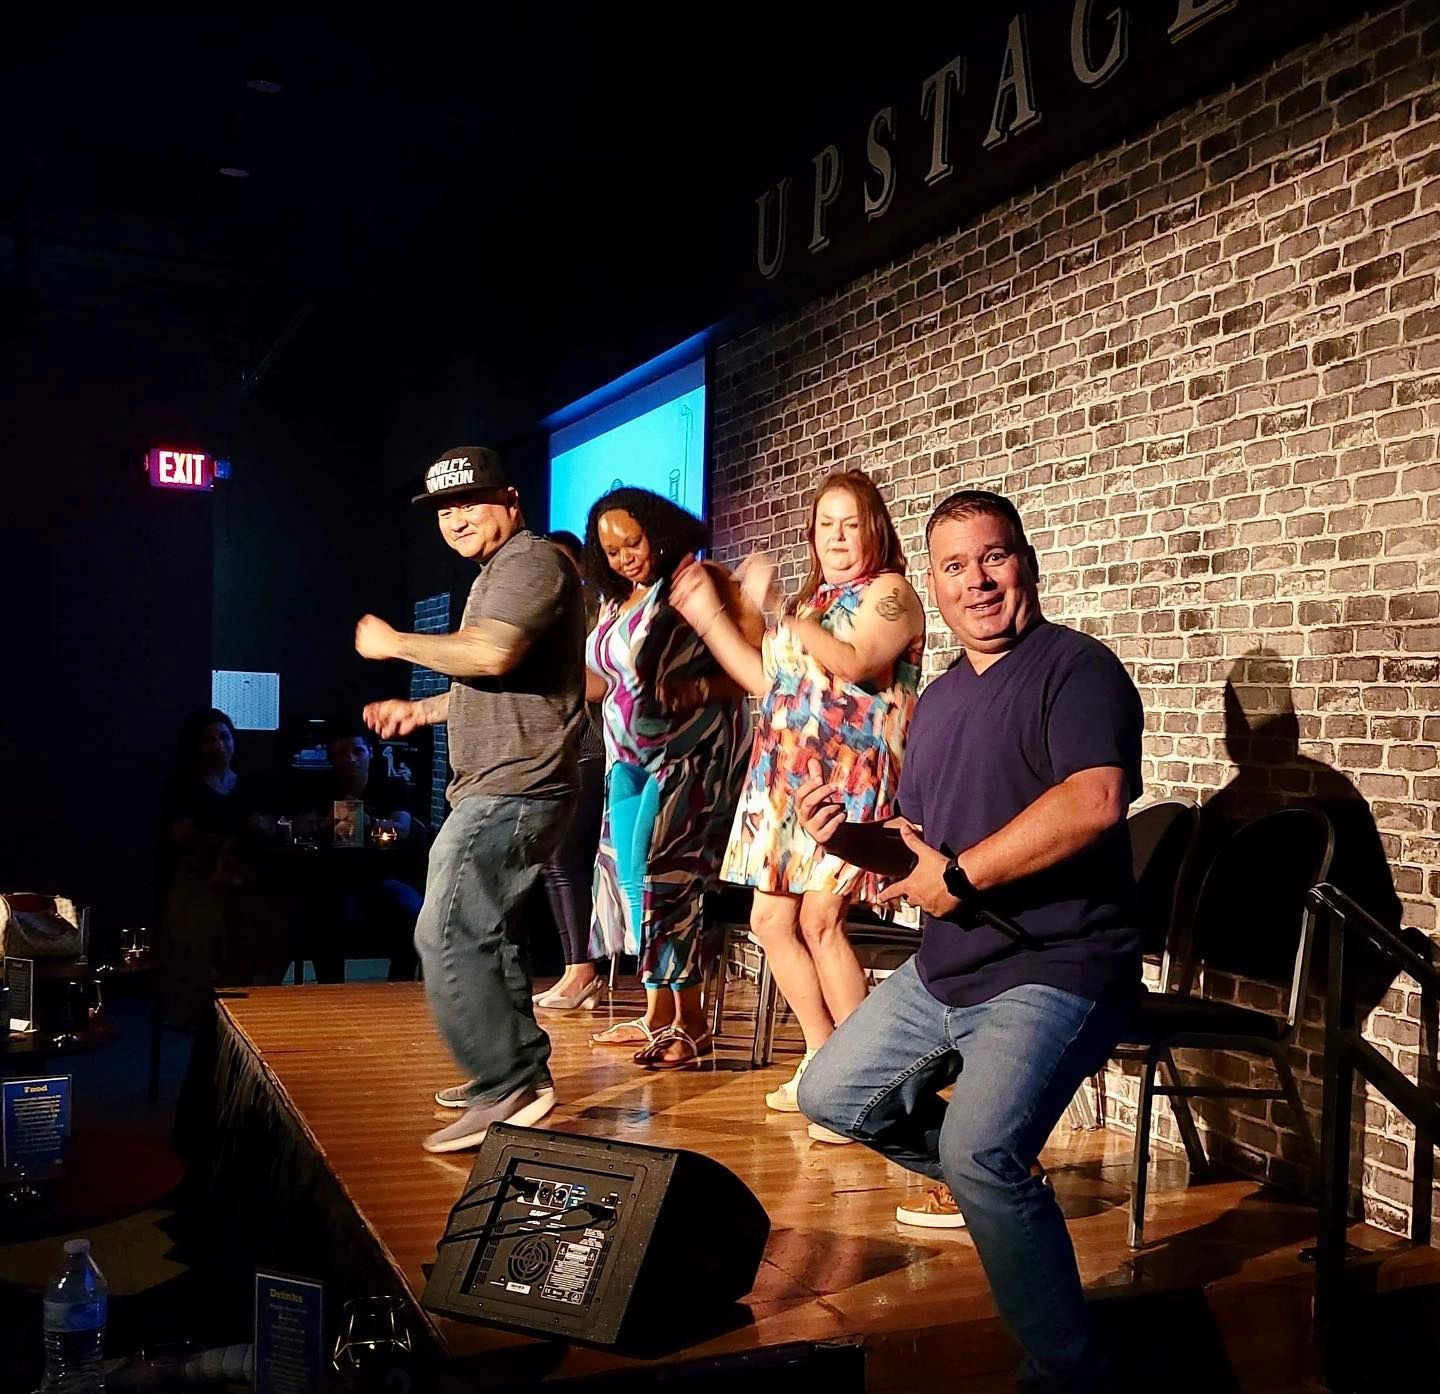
(607, 1038)
(651, 1057)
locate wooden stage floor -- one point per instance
(1218, 1300)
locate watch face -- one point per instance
(956, 881)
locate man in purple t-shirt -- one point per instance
(1021, 762)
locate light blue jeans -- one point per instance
(1015, 1062)
(472, 941)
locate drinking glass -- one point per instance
(159, 1368)
(17, 1190)
(374, 1340)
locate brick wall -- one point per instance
(432, 616)
(1206, 366)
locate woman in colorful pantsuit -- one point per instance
(674, 728)
(837, 676)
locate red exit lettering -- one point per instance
(180, 469)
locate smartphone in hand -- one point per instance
(873, 847)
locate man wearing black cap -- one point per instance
(513, 710)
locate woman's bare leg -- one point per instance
(775, 922)
(822, 930)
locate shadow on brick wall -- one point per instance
(1263, 736)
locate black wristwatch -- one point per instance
(958, 884)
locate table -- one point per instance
(319, 877)
(36, 1048)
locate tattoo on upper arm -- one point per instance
(892, 606)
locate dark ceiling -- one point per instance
(555, 189)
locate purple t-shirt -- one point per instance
(983, 747)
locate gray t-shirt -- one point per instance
(516, 734)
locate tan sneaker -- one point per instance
(782, 1100)
(937, 1210)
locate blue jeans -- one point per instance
(471, 939)
(1015, 1062)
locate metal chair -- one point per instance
(879, 945)
(1251, 901)
(727, 919)
(1163, 837)
(1163, 840)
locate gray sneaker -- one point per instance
(456, 1096)
(524, 1108)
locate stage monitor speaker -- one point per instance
(586, 1238)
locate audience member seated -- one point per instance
(345, 912)
(215, 926)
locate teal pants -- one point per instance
(634, 806)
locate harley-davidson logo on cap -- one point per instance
(465, 470)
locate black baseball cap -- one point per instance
(461, 472)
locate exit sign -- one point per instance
(180, 469)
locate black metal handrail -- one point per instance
(1334, 901)
(1346, 1052)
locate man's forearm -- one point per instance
(1062, 822)
(486, 651)
(436, 709)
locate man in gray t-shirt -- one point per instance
(515, 733)
(513, 710)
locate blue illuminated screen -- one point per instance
(652, 438)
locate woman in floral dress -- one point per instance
(837, 676)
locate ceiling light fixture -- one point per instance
(260, 84)
(234, 172)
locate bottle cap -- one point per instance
(76, 1246)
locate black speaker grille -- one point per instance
(530, 1259)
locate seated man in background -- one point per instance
(386, 799)
(382, 908)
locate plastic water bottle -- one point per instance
(76, 1300)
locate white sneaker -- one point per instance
(821, 1133)
(783, 1099)
(524, 1108)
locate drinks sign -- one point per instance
(289, 1335)
(180, 469)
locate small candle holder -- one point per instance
(384, 834)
